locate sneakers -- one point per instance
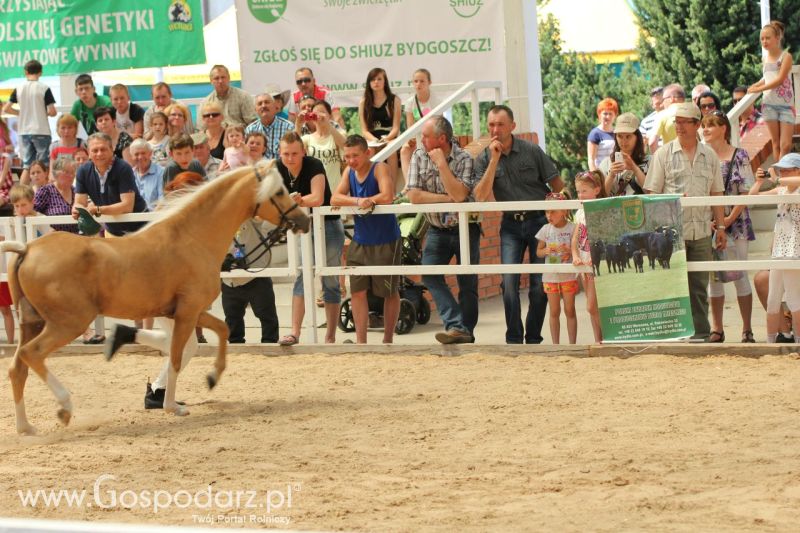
(120, 335)
(154, 399)
(785, 339)
(454, 336)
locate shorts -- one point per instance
(35, 148)
(375, 255)
(736, 250)
(561, 287)
(777, 113)
(5, 295)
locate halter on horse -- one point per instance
(170, 268)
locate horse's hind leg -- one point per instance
(219, 327)
(34, 354)
(18, 374)
(31, 325)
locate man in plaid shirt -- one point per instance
(442, 172)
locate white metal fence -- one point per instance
(308, 258)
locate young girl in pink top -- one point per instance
(236, 154)
(778, 103)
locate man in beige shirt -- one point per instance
(238, 107)
(686, 167)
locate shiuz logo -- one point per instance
(180, 16)
(466, 8)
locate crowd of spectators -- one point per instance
(134, 153)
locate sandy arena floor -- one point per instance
(391, 443)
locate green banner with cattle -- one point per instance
(72, 36)
(640, 267)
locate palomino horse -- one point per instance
(170, 268)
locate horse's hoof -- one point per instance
(178, 410)
(64, 416)
(212, 381)
(26, 430)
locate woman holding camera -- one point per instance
(626, 168)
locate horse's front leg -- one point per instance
(184, 327)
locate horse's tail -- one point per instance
(13, 246)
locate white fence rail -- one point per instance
(312, 263)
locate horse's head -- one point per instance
(273, 202)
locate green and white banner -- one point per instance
(640, 267)
(72, 36)
(341, 40)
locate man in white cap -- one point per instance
(281, 99)
(202, 152)
(687, 167)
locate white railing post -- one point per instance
(476, 115)
(307, 256)
(463, 237)
(292, 249)
(20, 231)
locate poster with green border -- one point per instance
(74, 36)
(640, 267)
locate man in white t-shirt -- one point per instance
(36, 103)
(130, 116)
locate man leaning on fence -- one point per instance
(512, 169)
(442, 172)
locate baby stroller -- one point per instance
(414, 307)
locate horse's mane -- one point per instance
(175, 202)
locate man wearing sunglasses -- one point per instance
(237, 105)
(307, 86)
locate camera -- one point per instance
(235, 260)
(230, 263)
(310, 117)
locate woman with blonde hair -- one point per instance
(178, 117)
(214, 119)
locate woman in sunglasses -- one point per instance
(213, 117)
(708, 102)
(737, 176)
